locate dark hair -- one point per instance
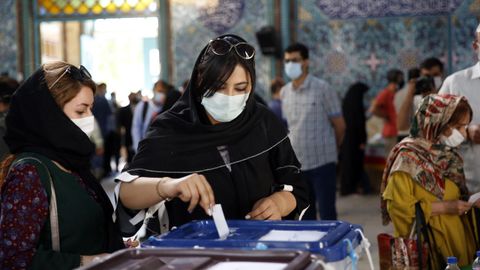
(163, 84)
(7, 87)
(430, 63)
(298, 47)
(214, 70)
(413, 73)
(393, 75)
(276, 85)
(424, 85)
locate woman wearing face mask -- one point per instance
(426, 168)
(54, 213)
(217, 131)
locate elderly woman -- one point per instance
(426, 168)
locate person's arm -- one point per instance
(22, 223)
(291, 197)
(405, 110)
(473, 132)
(193, 188)
(273, 207)
(333, 109)
(137, 125)
(450, 207)
(376, 109)
(401, 201)
(339, 127)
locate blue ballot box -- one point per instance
(332, 240)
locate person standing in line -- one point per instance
(384, 107)
(353, 176)
(125, 116)
(405, 95)
(314, 117)
(164, 97)
(275, 103)
(467, 83)
(433, 67)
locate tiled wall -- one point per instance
(350, 40)
(354, 40)
(193, 25)
(8, 37)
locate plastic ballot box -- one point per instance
(183, 259)
(334, 241)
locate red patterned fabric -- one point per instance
(24, 210)
(422, 156)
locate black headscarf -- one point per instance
(354, 113)
(35, 123)
(183, 141)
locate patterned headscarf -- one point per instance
(421, 155)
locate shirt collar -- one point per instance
(476, 71)
(304, 85)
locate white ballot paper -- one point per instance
(220, 222)
(293, 236)
(248, 266)
(475, 197)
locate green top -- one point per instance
(80, 219)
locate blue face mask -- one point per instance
(293, 70)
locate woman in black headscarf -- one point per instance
(54, 213)
(218, 132)
(353, 146)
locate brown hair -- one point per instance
(463, 108)
(62, 91)
(67, 87)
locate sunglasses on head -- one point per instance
(79, 74)
(222, 47)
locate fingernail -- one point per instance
(209, 212)
(247, 217)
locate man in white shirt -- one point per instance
(467, 83)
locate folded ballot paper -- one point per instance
(475, 197)
(220, 222)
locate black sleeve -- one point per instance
(286, 170)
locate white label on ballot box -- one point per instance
(293, 236)
(220, 222)
(247, 266)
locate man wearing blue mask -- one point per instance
(314, 116)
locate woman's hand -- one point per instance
(193, 188)
(265, 209)
(456, 207)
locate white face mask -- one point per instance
(438, 82)
(86, 124)
(454, 140)
(293, 70)
(225, 108)
(159, 98)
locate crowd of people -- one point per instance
(216, 141)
